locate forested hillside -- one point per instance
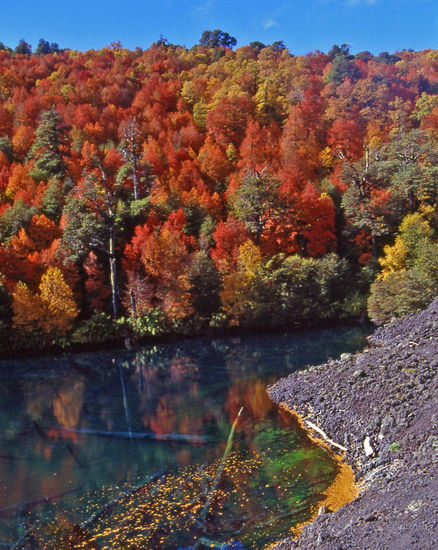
(175, 189)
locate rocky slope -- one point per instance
(382, 405)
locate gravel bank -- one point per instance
(382, 405)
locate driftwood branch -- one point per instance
(325, 436)
(218, 475)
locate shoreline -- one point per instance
(342, 490)
(382, 406)
(136, 344)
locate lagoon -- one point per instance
(120, 449)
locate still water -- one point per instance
(123, 449)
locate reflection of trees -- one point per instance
(170, 417)
(243, 361)
(252, 396)
(36, 399)
(39, 467)
(165, 386)
(63, 394)
(68, 402)
(257, 356)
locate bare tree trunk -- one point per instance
(135, 178)
(411, 199)
(133, 303)
(113, 270)
(373, 246)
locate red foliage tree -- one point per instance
(228, 237)
(96, 286)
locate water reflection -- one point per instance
(81, 430)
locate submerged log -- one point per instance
(32, 503)
(173, 437)
(73, 454)
(207, 543)
(39, 430)
(25, 530)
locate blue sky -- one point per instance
(303, 25)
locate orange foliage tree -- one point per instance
(166, 260)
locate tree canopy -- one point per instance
(217, 38)
(178, 189)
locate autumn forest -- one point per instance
(177, 191)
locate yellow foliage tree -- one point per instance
(53, 310)
(236, 292)
(250, 258)
(409, 278)
(29, 309)
(60, 302)
(410, 247)
(394, 258)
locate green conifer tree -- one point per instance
(48, 149)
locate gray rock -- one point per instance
(391, 390)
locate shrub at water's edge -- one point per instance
(408, 280)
